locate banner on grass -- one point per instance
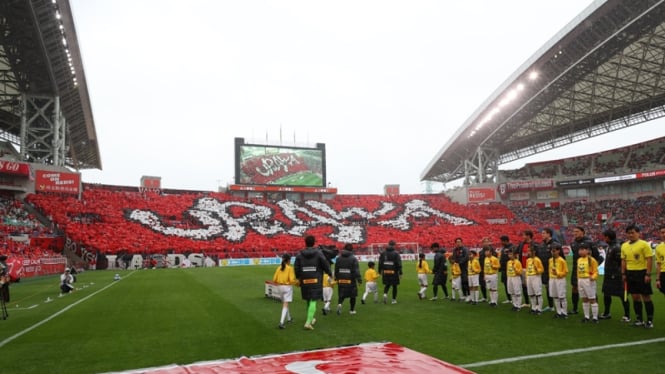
(371, 357)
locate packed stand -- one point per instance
(23, 238)
(595, 216)
(112, 221)
(634, 158)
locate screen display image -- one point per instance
(282, 166)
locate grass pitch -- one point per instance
(164, 316)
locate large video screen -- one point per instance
(281, 166)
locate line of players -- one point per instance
(527, 267)
(524, 270)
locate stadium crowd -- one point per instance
(23, 235)
(639, 157)
(112, 221)
(596, 216)
(120, 221)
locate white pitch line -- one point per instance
(9, 339)
(560, 353)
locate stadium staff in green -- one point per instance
(309, 266)
(636, 267)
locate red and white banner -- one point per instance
(56, 181)
(27, 268)
(363, 358)
(16, 168)
(536, 184)
(481, 195)
(651, 174)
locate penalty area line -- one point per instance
(61, 311)
(561, 353)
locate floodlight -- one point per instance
(512, 94)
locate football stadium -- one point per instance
(102, 278)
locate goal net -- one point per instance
(405, 247)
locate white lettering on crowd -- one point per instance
(217, 219)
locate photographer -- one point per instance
(4, 285)
(66, 282)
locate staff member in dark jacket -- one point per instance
(347, 275)
(390, 268)
(309, 267)
(440, 271)
(461, 255)
(506, 247)
(612, 282)
(544, 253)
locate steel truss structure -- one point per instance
(45, 110)
(603, 72)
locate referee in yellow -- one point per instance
(636, 267)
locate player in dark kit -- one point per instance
(440, 271)
(347, 274)
(309, 267)
(390, 268)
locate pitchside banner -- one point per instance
(27, 268)
(57, 181)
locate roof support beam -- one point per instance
(43, 129)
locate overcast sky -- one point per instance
(384, 84)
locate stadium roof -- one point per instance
(40, 57)
(602, 72)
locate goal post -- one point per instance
(402, 247)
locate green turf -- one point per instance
(304, 178)
(164, 316)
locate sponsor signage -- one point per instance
(529, 185)
(537, 184)
(16, 168)
(615, 178)
(481, 195)
(32, 267)
(575, 182)
(651, 174)
(57, 181)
